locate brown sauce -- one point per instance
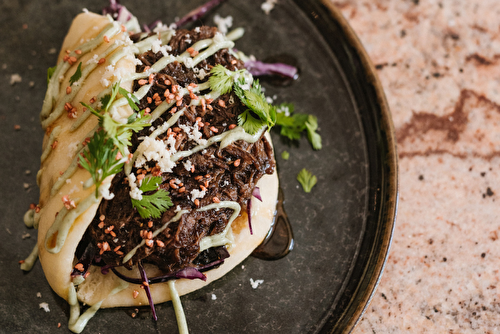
(279, 240)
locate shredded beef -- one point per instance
(228, 174)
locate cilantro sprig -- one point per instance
(100, 159)
(152, 205)
(120, 133)
(307, 180)
(294, 124)
(259, 112)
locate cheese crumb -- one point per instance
(38, 295)
(214, 297)
(223, 24)
(44, 306)
(255, 284)
(195, 193)
(15, 78)
(268, 6)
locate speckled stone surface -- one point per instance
(439, 63)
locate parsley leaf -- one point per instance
(155, 204)
(100, 159)
(285, 155)
(307, 180)
(78, 74)
(50, 73)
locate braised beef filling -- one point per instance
(208, 176)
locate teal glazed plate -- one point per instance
(342, 229)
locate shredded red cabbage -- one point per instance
(256, 193)
(146, 288)
(189, 273)
(86, 259)
(117, 11)
(198, 13)
(258, 68)
(249, 214)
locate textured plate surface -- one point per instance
(342, 228)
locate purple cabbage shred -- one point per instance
(189, 273)
(256, 193)
(198, 13)
(249, 214)
(147, 289)
(117, 11)
(258, 68)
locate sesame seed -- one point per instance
(237, 163)
(232, 126)
(183, 189)
(106, 39)
(102, 217)
(101, 61)
(149, 243)
(79, 267)
(216, 200)
(150, 223)
(222, 103)
(68, 90)
(160, 243)
(135, 294)
(78, 52)
(197, 202)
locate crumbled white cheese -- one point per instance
(38, 295)
(255, 284)
(223, 24)
(44, 306)
(193, 134)
(15, 78)
(104, 191)
(26, 235)
(195, 193)
(197, 29)
(135, 192)
(188, 165)
(269, 100)
(107, 76)
(157, 150)
(93, 60)
(214, 297)
(218, 38)
(268, 6)
(177, 208)
(202, 74)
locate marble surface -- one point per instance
(439, 63)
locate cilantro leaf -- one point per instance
(293, 124)
(50, 73)
(285, 155)
(222, 79)
(78, 74)
(254, 99)
(120, 133)
(249, 123)
(155, 204)
(312, 135)
(100, 159)
(307, 180)
(132, 100)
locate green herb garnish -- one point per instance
(119, 133)
(255, 100)
(307, 180)
(222, 79)
(50, 73)
(100, 159)
(293, 124)
(78, 74)
(155, 204)
(285, 155)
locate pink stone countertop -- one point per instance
(439, 63)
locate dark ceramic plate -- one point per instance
(343, 228)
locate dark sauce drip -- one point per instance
(280, 80)
(279, 240)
